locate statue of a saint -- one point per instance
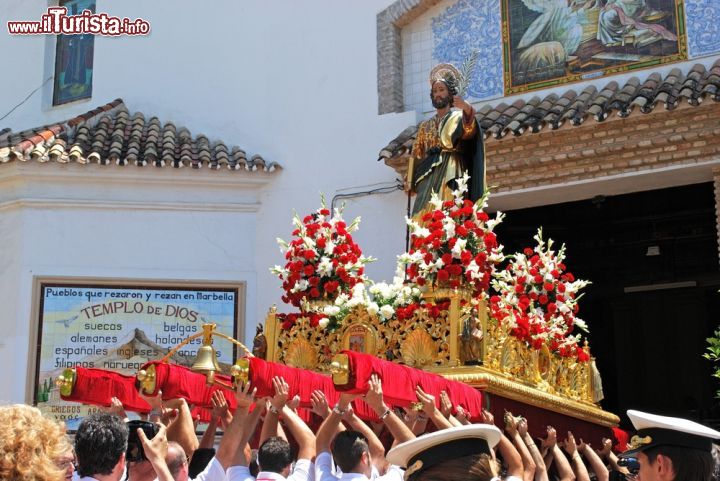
(259, 348)
(447, 145)
(471, 342)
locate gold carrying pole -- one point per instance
(271, 334)
(454, 318)
(410, 173)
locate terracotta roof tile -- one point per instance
(110, 134)
(553, 110)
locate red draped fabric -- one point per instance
(399, 383)
(203, 415)
(177, 382)
(97, 386)
(302, 383)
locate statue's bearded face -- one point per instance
(440, 95)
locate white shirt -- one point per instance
(394, 473)
(325, 471)
(303, 471)
(506, 478)
(212, 472)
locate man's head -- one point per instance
(671, 449)
(100, 445)
(351, 453)
(275, 456)
(459, 453)
(673, 463)
(442, 92)
(177, 461)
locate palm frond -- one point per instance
(466, 70)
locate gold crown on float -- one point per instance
(443, 71)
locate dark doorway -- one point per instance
(652, 258)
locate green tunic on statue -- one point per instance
(444, 148)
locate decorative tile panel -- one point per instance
(467, 26)
(703, 17)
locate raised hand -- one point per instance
(219, 404)
(427, 400)
(487, 417)
(511, 423)
(282, 391)
(294, 403)
(244, 396)
(374, 395)
(462, 415)
(522, 427)
(569, 444)
(116, 407)
(551, 440)
(319, 404)
(582, 445)
(156, 448)
(155, 401)
(606, 447)
(445, 404)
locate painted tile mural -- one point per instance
(551, 42)
(703, 17)
(464, 27)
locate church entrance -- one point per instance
(653, 260)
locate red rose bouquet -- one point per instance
(322, 260)
(454, 244)
(539, 299)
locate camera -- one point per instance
(135, 452)
(631, 464)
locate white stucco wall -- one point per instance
(292, 81)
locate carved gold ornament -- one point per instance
(505, 366)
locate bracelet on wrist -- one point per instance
(274, 410)
(385, 414)
(339, 411)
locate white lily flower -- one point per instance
(324, 267)
(435, 201)
(329, 248)
(300, 285)
(458, 248)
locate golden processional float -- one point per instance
(493, 331)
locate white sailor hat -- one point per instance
(654, 430)
(430, 449)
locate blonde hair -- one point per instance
(30, 445)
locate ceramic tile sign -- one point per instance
(120, 328)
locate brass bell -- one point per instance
(206, 360)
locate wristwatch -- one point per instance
(339, 411)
